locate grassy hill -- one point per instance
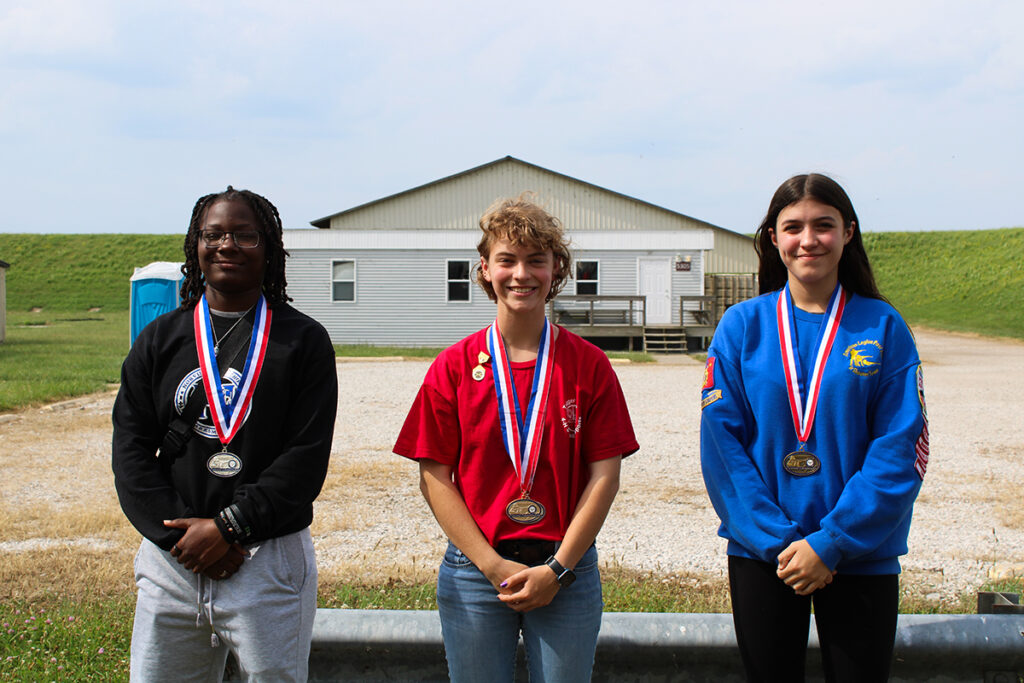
(79, 272)
(966, 280)
(969, 281)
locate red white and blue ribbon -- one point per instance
(522, 434)
(803, 408)
(227, 410)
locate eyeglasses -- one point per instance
(248, 239)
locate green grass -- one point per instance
(631, 356)
(50, 356)
(57, 640)
(967, 281)
(79, 272)
(367, 351)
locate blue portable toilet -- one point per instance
(154, 291)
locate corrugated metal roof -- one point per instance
(325, 222)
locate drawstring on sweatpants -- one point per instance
(206, 603)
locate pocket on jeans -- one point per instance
(454, 558)
(587, 563)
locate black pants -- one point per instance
(855, 615)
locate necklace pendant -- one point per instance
(216, 349)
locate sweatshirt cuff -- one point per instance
(826, 548)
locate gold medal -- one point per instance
(482, 358)
(801, 463)
(479, 373)
(525, 511)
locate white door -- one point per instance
(655, 277)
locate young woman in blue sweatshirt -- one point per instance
(814, 443)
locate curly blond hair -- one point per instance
(522, 222)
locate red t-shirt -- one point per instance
(454, 420)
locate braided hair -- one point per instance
(274, 283)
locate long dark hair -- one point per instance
(854, 269)
(274, 283)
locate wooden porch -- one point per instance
(626, 316)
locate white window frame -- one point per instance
(354, 280)
(448, 281)
(596, 282)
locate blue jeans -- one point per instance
(481, 634)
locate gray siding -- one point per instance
(400, 295)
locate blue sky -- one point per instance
(115, 116)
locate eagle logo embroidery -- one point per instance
(865, 357)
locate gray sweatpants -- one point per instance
(263, 614)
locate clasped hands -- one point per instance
(203, 549)
(802, 570)
(523, 588)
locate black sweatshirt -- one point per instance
(284, 443)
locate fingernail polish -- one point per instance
(504, 584)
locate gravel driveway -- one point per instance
(371, 521)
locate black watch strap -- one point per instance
(564, 576)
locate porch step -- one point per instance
(664, 340)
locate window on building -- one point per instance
(586, 277)
(458, 280)
(343, 281)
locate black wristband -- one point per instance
(233, 517)
(224, 528)
(564, 576)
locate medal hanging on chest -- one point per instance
(227, 409)
(801, 462)
(522, 433)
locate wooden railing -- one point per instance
(596, 310)
(706, 312)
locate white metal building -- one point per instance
(397, 271)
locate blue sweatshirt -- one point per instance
(870, 434)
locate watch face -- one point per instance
(567, 577)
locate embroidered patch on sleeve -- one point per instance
(711, 397)
(921, 447)
(709, 374)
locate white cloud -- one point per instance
(704, 108)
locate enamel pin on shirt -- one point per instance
(801, 462)
(478, 372)
(522, 434)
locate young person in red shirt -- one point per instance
(519, 431)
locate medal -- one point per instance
(224, 464)
(800, 462)
(227, 408)
(522, 434)
(525, 511)
(479, 373)
(482, 358)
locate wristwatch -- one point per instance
(565, 576)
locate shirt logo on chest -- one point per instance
(865, 357)
(571, 421)
(192, 381)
